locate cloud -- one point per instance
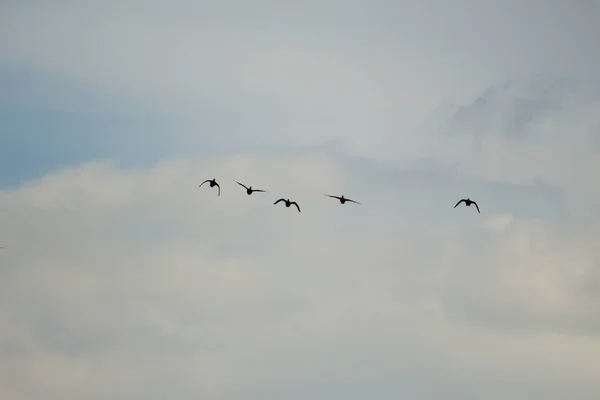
(122, 279)
(186, 79)
(132, 283)
(289, 73)
(543, 128)
(534, 276)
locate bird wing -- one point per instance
(208, 180)
(353, 201)
(296, 204)
(477, 207)
(334, 197)
(258, 190)
(218, 187)
(459, 203)
(279, 201)
(241, 184)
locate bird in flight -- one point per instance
(342, 199)
(213, 183)
(289, 203)
(249, 189)
(468, 203)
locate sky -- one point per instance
(120, 278)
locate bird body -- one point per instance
(213, 183)
(468, 203)
(288, 203)
(249, 189)
(342, 199)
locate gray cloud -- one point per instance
(522, 105)
(540, 129)
(153, 285)
(292, 73)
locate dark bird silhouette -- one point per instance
(342, 199)
(468, 203)
(213, 183)
(249, 189)
(289, 203)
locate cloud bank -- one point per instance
(120, 283)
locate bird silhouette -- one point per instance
(342, 199)
(468, 203)
(213, 183)
(249, 189)
(289, 203)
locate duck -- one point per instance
(213, 183)
(342, 199)
(468, 203)
(249, 189)
(289, 203)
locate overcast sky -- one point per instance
(121, 279)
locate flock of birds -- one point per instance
(288, 202)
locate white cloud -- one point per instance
(137, 283)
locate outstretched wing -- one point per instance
(279, 201)
(218, 187)
(477, 207)
(208, 180)
(297, 206)
(241, 184)
(353, 201)
(459, 203)
(258, 190)
(333, 197)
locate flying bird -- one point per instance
(249, 189)
(289, 203)
(342, 199)
(213, 183)
(468, 203)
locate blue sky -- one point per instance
(39, 135)
(117, 264)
